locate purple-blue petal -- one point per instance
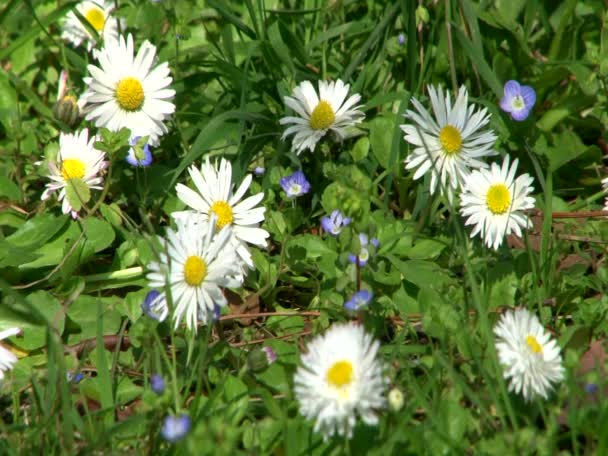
(520, 115)
(529, 96)
(505, 104)
(512, 89)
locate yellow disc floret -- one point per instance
(96, 18)
(340, 374)
(450, 139)
(498, 199)
(533, 344)
(129, 94)
(224, 214)
(322, 116)
(195, 270)
(72, 168)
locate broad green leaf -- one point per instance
(381, 138)
(77, 193)
(37, 230)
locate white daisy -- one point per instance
(319, 114)
(605, 188)
(98, 15)
(494, 200)
(530, 357)
(215, 195)
(450, 144)
(125, 91)
(77, 159)
(198, 261)
(7, 358)
(339, 379)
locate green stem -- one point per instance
(129, 273)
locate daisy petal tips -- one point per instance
(329, 110)
(518, 100)
(530, 357)
(98, 15)
(126, 90)
(449, 143)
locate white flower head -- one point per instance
(451, 143)
(339, 379)
(493, 200)
(215, 195)
(318, 114)
(530, 357)
(77, 159)
(127, 91)
(197, 262)
(7, 358)
(98, 15)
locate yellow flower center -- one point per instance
(533, 344)
(322, 116)
(96, 18)
(129, 94)
(72, 168)
(498, 199)
(450, 139)
(195, 270)
(224, 214)
(340, 374)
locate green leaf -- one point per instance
(360, 149)
(77, 193)
(37, 231)
(8, 188)
(380, 138)
(99, 234)
(83, 312)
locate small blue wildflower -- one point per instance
(335, 222)
(364, 254)
(157, 384)
(75, 378)
(518, 100)
(359, 300)
(259, 171)
(401, 39)
(591, 388)
(295, 185)
(150, 307)
(175, 428)
(139, 155)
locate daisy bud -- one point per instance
(395, 399)
(66, 110)
(258, 360)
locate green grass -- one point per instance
(75, 287)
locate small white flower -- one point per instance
(449, 145)
(330, 110)
(493, 201)
(197, 262)
(7, 358)
(530, 357)
(98, 15)
(126, 91)
(77, 159)
(216, 195)
(339, 379)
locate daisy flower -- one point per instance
(98, 15)
(493, 201)
(197, 262)
(295, 184)
(125, 91)
(518, 100)
(335, 222)
(339, 379)
(605, 188)
(451, 143)
(215, 195)
(530, 357)
(317, 114)
(77, 159)
(7, 358)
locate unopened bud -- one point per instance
(395, 399)
(259, 359)
(66, 110)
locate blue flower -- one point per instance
(295, 185)
(139, 155)
(591, 388)
(259, 171)
(175, 428)
(359, 300)
(149, 306)
(75, 377)
(401, 39)
(518, 100)
(364, 254)
(335, 222)
(157, 384)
